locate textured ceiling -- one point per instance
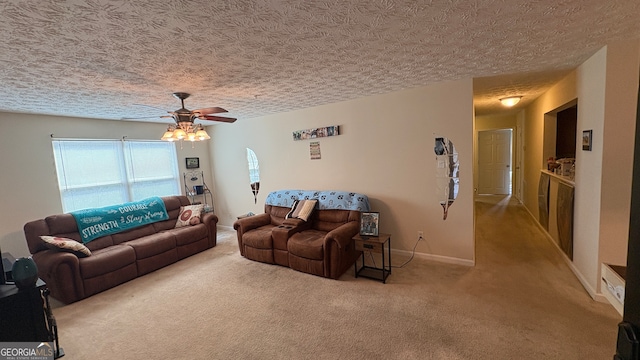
(103, 58)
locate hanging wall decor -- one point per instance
(447, 173)
(192, 162)
(254, 173)
(586, 140)
(314, 149)
(316, 133)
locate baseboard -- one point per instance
(432, 257)
(583, 281)
(225, 227)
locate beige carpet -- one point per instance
(520, 302)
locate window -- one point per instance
(96, 173)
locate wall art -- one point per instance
(586, 140)
(316, 133)
(447, 173)
(192, 162)
(314, 149)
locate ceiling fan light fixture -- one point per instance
(510, 101)
(168, 135)
(185, 129)
(179, 134)
(201, 134)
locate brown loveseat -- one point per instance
(321, 246)
(115, 258)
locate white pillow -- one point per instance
(64, 244)
(190, 215)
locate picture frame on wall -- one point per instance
(369, 223)
(586, 140)
(193, 162)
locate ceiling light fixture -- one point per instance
(185, 130)
(510, 101)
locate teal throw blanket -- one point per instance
(94, 223)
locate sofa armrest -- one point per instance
(340, 251)
(61, 271)
(252, 222)
(343, 234)
(211, 222)
(249, 223)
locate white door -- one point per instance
(494, 162)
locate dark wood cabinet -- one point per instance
(22, 314)
(25, 315)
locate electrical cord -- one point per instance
(412, 254)
(405, 263)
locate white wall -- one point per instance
(621, 96)
(385, 151)
(586, 225)
(28, 183)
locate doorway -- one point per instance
(494, 162)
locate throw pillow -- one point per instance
(190, 215)
(64, 244)
(302, 209)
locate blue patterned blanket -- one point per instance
(94, 223)
(326, 199)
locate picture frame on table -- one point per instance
(192, 162)
(370, 224)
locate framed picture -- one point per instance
(193, 163)
(586, 140)
(369, 223)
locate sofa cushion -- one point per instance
(189, 234)
(64, 244)
(308, 244)
(153, 244)
(99, 243)
(327, 220)
(136, 233)
(61, 224)
(190, 215)
(302, 209)
(277, 213)
(259, 238)
(107, 260)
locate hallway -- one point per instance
(517, 264)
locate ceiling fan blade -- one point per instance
(216, 118)
(209, 110)
(147, 117)
(143, 117)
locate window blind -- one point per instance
(96, 173)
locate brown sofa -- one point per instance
(115, 258)
(321, 246)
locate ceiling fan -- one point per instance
(184, 115)
(185, 128)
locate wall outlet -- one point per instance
(420, 234)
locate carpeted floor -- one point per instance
(519, 302)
